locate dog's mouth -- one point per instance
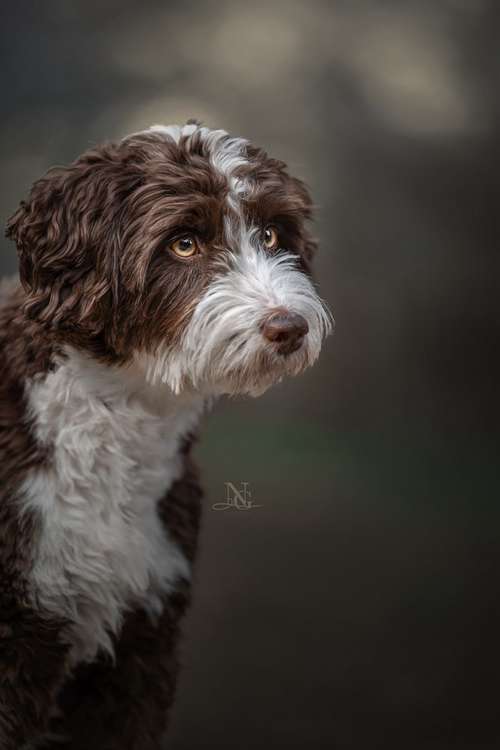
(264, 368)
(281, 349)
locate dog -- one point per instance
(156, 274)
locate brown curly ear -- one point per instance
(305, 204)
(67, 237)
(310, 248)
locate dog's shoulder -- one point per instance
(26, 348)
(25, 353)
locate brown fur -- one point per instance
(32, 655)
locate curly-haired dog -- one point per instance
(156, 273)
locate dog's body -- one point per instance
(153, 279)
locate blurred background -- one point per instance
(358, 607)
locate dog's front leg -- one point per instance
(125, 705)
(32, 668)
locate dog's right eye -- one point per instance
(184, 247)
(271, 237)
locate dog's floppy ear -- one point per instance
(67, 239)
(307, 210)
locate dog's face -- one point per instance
(180, 251)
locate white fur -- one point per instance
(222, 349)
(175, 132)
(227, 154)
(102, 548)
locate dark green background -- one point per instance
(358, 607)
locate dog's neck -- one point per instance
(62, 372)
(114, 384)
(78, 381)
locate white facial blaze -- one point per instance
(227, 154)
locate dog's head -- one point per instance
(180, 251)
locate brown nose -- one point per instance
(285, 329)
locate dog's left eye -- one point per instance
(184, 247)
(270, 238)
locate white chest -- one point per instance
(102, 548)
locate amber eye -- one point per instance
(271, 239)
(184, 247)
